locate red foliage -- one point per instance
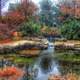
(10, 71)
(5, 41)
(24, 11)
(11, 21)
(6, 30)
(15, 18)
(71, 8)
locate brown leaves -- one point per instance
(14, 18)
(23, 12)
(70, 76)
(71, 8)
(27, 8)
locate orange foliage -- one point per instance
(24, 11)
(50, 31)
(11, 72)
(5, 41)
(11, 21)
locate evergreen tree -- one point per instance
(48, 13)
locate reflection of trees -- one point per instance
(46, 63)
(67, 67)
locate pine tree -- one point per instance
(48, 13)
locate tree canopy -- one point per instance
(48, 13)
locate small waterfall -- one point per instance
(50, 47)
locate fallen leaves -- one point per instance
(69, 76)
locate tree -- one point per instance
(48, 13)
(71, 29)
(70, 8)
(14, 18)
(17, 15)
(27, 8)
(13, 7)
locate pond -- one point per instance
(42, 66)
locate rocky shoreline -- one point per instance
(67, 45)
(22, 45)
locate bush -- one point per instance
(71, 29)
(30, 29)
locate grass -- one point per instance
(23, 60)
(17, 59)
(68, 57)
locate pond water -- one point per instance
(44, 65)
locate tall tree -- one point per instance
(27, 8)
(47, 13)
(20, 12)
(70, 7)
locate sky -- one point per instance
(15, 1)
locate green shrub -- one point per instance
(71, 29)
(30, 28)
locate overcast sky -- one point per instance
(14, 1)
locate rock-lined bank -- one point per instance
(22, 45)
(67, 45)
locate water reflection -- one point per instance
(45, 64)
(43, 67)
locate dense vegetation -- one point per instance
(49, 19)
(68, 57)
(70, 29)
(48, 13)
(30, 29)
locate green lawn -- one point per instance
(68, 57)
